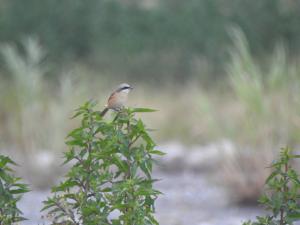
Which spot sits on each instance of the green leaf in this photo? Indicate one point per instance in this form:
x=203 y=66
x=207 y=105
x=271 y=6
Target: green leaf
x=69 y=155
x=142 y=110
x=294 y=216
x=273 y=174
x=65 y=185
x=48 y=204
x=107 y=189
x=19 y=191
x=76 y=133
x=5 y=160
x=6 y=177
x=10 y=192
x=80 y=112
x=19 y=219
x=145 y=169
x=76 y=142
x=120 y=163
x=157 y=152
x=264 y=199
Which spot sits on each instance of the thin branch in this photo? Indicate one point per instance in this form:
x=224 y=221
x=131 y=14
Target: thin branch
x=67 y=212
x=134 y=140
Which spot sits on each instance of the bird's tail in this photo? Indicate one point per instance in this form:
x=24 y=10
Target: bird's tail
x=104 y=112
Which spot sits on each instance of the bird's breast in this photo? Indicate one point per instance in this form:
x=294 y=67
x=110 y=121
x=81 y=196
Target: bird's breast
x=118 y=100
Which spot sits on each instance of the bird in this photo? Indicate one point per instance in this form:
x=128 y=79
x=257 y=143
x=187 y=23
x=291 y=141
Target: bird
x=117 y=99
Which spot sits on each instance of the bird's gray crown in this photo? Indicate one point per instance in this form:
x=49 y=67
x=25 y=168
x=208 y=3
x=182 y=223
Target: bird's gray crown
x=123 y=86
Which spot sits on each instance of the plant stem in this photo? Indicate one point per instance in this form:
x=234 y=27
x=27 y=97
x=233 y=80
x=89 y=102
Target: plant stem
x=128 y=175
x=284 y=190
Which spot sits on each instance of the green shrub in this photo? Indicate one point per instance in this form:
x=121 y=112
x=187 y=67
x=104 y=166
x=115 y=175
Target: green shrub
x=110 y=181
x=282 y=193
x=10 y=193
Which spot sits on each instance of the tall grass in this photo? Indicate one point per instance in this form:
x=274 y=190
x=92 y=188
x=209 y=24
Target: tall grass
x=268 y=94
x=27 y=91
x=246 y=77
x=36 y=112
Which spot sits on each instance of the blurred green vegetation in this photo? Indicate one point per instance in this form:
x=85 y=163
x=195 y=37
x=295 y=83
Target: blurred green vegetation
x=135 y=39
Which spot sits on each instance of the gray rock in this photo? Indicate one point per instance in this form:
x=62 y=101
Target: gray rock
x=197 y=158
x=207 y=158
x=174 y=158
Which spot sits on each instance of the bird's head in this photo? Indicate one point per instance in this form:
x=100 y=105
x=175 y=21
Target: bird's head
x=124 y=88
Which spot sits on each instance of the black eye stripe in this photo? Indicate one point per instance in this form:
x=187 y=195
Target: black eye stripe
x=123 y=88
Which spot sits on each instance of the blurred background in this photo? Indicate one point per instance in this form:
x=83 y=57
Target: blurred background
x=224 y=75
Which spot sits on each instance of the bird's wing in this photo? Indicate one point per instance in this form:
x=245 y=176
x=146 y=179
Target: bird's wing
x=111 y=100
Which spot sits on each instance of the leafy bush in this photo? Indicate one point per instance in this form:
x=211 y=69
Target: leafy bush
x=10 y=193
x=282 y=194
x=110 y=181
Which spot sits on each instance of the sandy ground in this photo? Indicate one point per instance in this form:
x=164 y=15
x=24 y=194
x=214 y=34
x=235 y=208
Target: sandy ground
x=189 y=199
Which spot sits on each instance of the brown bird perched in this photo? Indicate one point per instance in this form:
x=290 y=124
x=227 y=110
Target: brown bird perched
x=117 y=99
